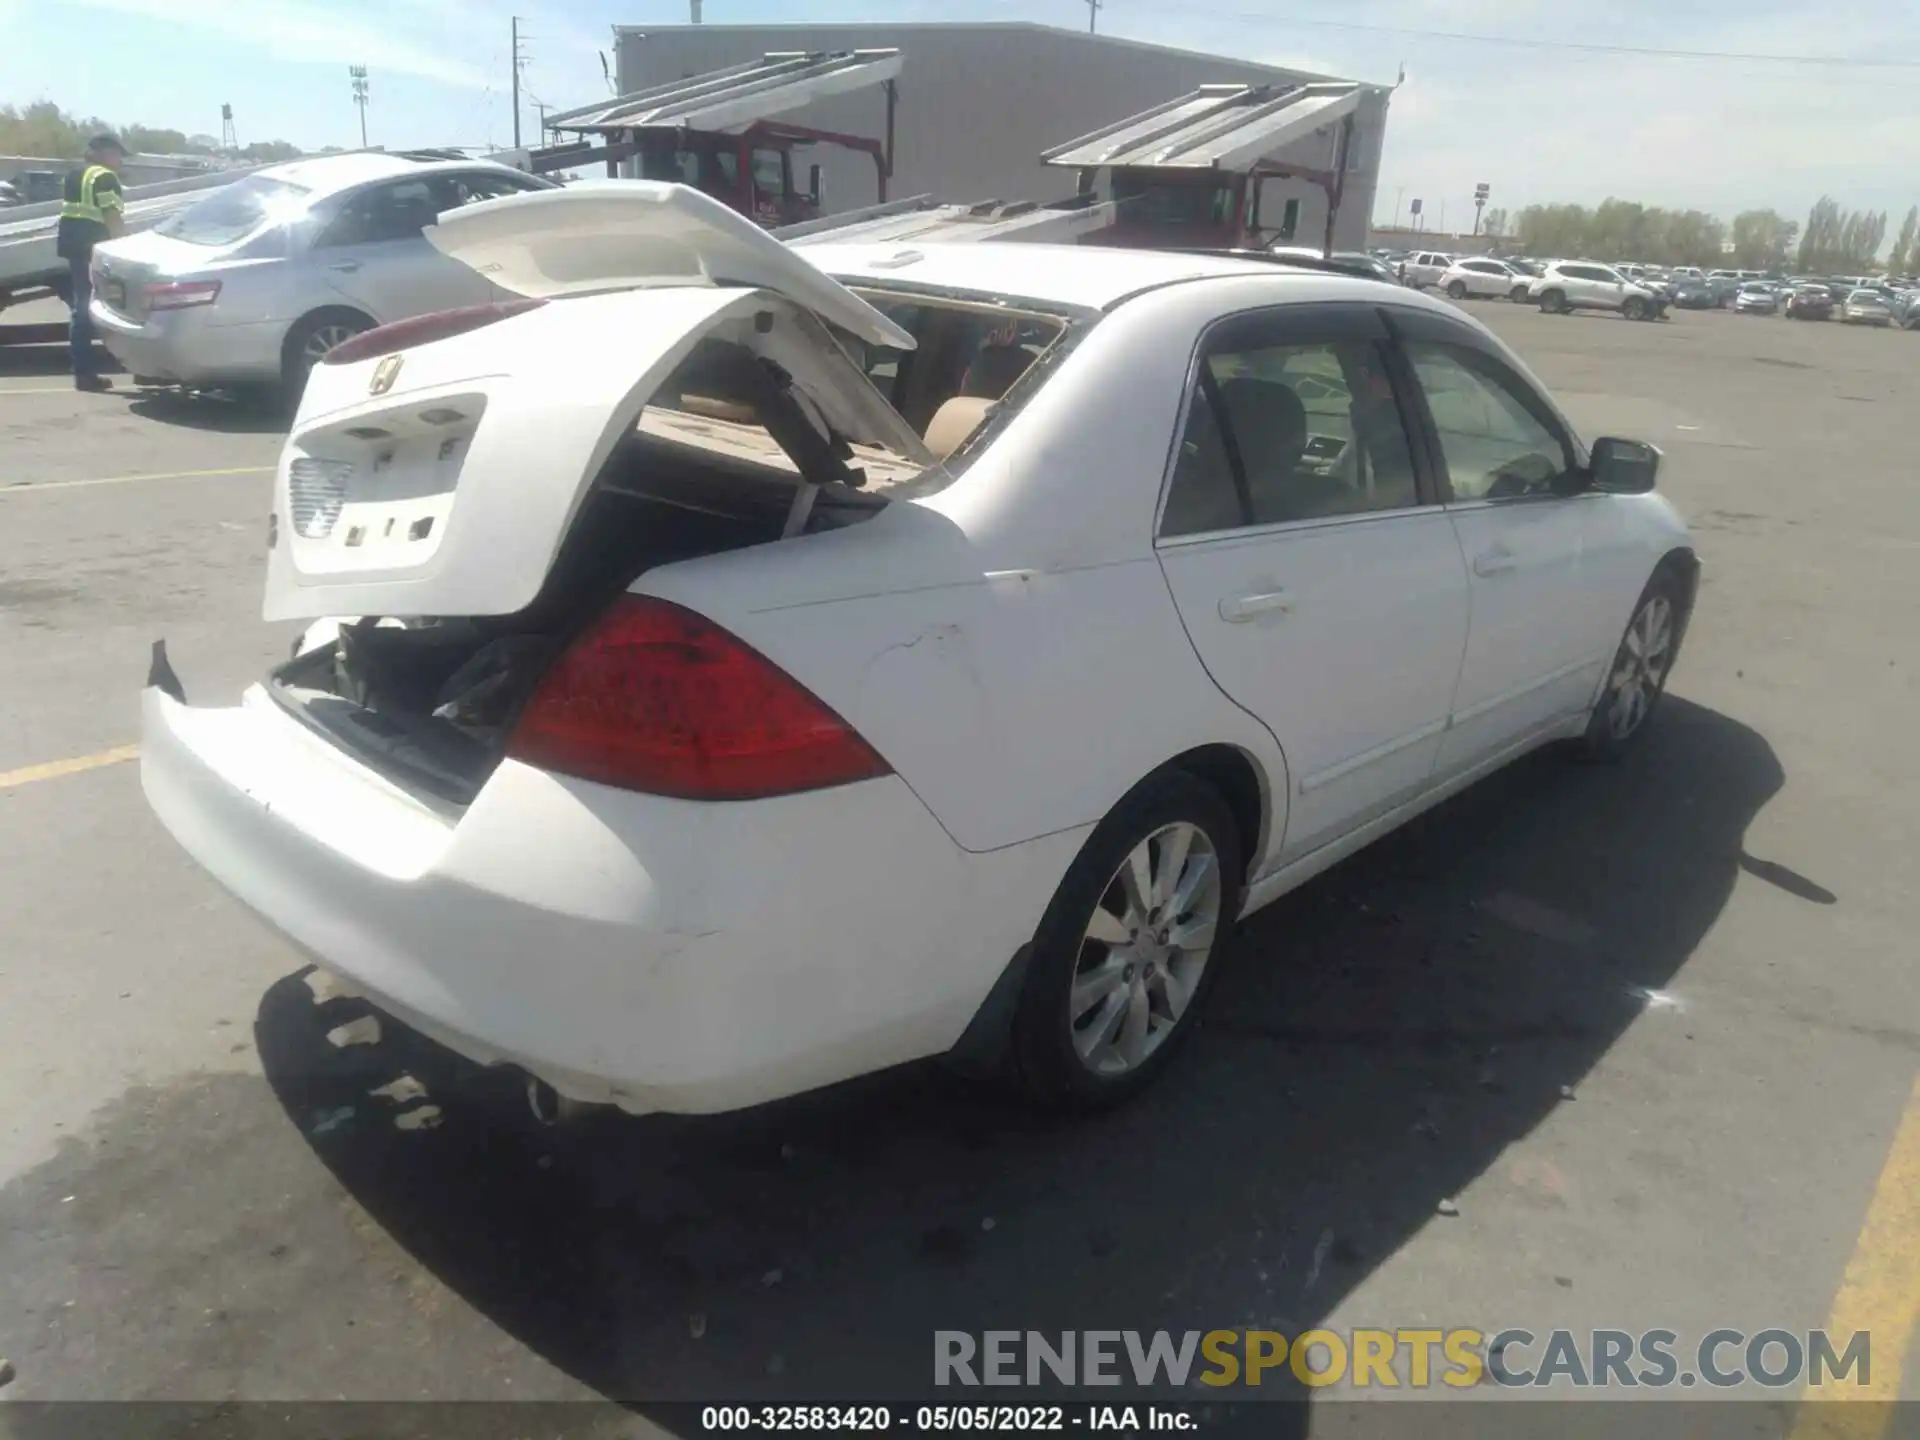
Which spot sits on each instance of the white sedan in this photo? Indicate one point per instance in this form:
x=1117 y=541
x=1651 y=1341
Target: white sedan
x=774 y=667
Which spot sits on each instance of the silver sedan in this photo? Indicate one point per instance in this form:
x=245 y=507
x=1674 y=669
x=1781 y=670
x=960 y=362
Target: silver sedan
x=250 y=286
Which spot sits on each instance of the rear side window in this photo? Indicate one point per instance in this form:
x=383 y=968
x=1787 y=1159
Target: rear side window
x=1496 y=439
x=235 y=211
x=1282 y=433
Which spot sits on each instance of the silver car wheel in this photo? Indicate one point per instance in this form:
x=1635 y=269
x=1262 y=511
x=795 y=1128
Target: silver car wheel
x=323 y=339
x=1144 y=949
x=1640 y=667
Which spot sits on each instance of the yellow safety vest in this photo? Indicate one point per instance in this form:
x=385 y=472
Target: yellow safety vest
x=88 y=206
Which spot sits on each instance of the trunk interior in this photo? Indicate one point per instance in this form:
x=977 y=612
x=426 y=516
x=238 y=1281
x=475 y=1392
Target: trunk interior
x=429 y=701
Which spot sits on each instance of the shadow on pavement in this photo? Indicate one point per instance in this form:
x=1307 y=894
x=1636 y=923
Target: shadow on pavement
x=1380 y=1039
x=230 y=415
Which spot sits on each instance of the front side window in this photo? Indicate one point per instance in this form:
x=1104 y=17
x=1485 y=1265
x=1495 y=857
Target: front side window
x=1283 y=433
x=454 y=191
x=1496 y=442
x=396 y=211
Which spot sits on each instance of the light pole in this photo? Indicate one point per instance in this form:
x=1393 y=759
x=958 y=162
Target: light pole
x=1398 y=193
x=359 y=74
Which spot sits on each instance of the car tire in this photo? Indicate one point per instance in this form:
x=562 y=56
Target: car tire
x=308 y=341
x=1554 y=302
x=1518 y=295
x=1109 y=993
x=1635 y=682
x=1634 y=308
x=1458 y=290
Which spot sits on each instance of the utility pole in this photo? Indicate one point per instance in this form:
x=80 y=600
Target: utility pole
x=693 y=11
x=1093 y=13
x=1397 y=194
x=517 y=62
x=359 y=75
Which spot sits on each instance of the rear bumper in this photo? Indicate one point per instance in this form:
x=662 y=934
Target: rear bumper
x=182 y=346
x=651 y=953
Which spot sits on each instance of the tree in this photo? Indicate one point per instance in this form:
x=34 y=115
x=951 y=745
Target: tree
x=44 y=129
x=1494 y=222
x=1903 y=257
x=1839 y=240
x=1761 y=239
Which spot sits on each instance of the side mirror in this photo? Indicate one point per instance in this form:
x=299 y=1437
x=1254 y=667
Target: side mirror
x=813 y=184
x=1623 y=467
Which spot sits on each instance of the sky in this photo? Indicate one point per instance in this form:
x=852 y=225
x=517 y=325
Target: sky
x=1494 y=90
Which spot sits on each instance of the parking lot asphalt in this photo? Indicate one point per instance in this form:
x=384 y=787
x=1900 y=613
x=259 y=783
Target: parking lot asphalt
x=1620 y=1047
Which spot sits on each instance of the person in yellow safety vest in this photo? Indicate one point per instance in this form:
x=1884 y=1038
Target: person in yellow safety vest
x=90 y=212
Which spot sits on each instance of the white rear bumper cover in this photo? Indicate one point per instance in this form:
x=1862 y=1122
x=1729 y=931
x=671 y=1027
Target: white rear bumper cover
x=654 y=953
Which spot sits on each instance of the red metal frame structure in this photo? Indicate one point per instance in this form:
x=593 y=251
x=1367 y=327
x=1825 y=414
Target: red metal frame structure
x=1186 y=173
x=680 y=130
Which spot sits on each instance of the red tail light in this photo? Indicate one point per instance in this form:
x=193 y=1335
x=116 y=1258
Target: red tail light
x=424 y=330
x=182 y=295
x=655 y=698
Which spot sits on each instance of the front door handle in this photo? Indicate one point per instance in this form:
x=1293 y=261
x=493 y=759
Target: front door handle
x=344 y=266
x=1242 y=608
x=1494 y=562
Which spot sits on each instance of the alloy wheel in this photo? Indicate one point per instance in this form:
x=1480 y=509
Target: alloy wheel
x=1640 y=667
x=323 y=339
x=1144 y=949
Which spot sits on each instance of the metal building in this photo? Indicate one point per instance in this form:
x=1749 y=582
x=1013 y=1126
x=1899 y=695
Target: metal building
x=979 y=103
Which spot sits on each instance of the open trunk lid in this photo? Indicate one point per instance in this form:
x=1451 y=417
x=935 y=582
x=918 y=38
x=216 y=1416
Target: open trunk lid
x=629 y=234
x=441 y=480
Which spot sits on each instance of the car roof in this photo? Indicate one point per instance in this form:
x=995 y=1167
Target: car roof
x=326 y=174
x=1093 y=277
x=1087 y=277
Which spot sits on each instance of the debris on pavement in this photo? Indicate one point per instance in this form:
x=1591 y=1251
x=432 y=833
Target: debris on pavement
x=1654 y=999
x=772 y=1278
x=403 y=1091
x=1447 y=1207
x=988 y=1223
x=6 y=1371
x=364 y=1031
x=1566 y=1092
x=331 y=1120
x=697 y=1324
x=1320 y=1249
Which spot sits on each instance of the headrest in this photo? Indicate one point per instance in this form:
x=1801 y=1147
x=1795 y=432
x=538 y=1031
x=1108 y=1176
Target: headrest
x=953 y=422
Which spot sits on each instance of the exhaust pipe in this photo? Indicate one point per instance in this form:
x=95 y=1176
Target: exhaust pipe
x=551 y=1108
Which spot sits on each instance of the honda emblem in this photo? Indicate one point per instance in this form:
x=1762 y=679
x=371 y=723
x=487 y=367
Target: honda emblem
x=384 y=374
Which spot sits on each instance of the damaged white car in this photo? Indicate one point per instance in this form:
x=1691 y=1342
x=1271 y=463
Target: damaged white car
x=773 y=667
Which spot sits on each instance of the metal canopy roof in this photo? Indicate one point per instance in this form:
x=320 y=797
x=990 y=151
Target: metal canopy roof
x=1227 y=127
x=734 y=98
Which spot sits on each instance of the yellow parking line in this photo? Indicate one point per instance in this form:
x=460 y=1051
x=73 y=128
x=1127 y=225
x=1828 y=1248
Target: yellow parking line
x=54 y=769
x=130 y=479
x=1880 y=1294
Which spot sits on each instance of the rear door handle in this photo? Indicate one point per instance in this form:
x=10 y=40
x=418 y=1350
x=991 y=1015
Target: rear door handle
x=345 y=266
x=1242 y=608
x=1494 y=562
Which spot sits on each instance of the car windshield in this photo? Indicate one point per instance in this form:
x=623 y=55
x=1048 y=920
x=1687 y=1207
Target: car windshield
x=235 y=211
